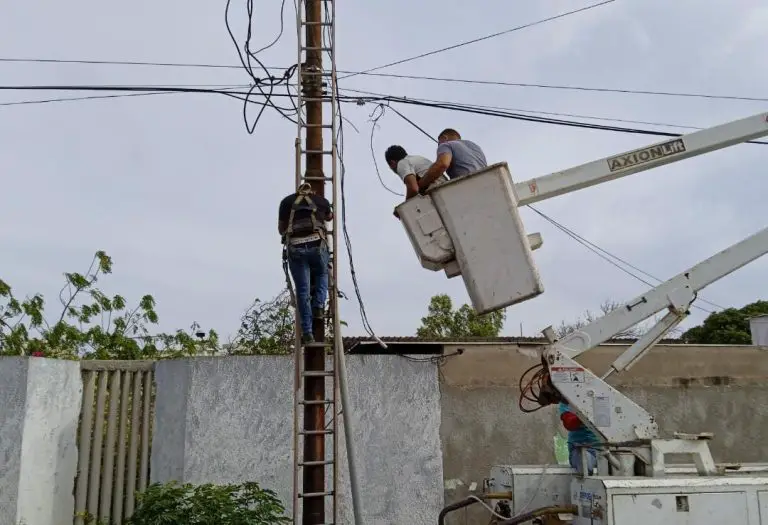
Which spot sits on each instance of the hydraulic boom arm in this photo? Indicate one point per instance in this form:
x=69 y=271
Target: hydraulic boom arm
x=604 y=409
x=635 y=161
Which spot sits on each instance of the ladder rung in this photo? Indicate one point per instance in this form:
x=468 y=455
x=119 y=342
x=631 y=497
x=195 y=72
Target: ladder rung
x=316 y=494
x=316 y=178
x=316 y=432
x=317 y=99
x=325 y=126
x=318 y=344
x=318 y=151
x=318 y=373
x=316 y=463
x=325 y=24
x=317 y=402
x=316 y=48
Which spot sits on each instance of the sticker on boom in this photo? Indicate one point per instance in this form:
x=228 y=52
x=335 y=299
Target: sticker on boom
x=641 y=156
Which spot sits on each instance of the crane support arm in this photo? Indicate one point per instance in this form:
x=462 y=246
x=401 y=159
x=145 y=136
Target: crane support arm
x=676 y=294
x=601 y=407
x=635 y=161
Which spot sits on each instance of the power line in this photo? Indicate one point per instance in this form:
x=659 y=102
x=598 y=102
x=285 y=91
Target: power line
x=345 y=99
x=534 y=111
x=374 y=98
x=100 y=97
x=148 y=90
x=566 y=87
x=466 y=104
x=611 y=258
x=378 y=98
x=403 y=76
x=475 y=40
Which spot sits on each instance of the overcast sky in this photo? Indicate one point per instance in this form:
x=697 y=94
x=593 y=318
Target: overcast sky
x=185 y=200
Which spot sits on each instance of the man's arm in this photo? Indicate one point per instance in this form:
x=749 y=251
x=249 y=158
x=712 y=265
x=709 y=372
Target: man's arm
x=411 y=186
x=443 y=162
x=282 y=217
x=407 y=172
x=327 y=209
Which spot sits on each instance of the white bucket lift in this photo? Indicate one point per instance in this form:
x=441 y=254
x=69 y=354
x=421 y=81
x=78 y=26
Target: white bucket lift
x=471 y=226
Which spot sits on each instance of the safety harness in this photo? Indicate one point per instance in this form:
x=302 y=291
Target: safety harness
x=307 y=228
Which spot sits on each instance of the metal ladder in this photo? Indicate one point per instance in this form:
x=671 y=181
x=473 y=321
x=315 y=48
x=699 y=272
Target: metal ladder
x=315 y=422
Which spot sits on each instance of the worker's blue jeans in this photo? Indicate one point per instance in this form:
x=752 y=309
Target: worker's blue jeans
x=574 y=457
x=307 y=261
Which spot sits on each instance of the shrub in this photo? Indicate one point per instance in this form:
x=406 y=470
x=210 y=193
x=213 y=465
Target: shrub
x=176 y=504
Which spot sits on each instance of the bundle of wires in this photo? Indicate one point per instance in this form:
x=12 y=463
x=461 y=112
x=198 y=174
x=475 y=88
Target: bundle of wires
x=537 y=390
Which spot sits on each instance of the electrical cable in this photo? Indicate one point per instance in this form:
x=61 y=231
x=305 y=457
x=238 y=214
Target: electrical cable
x=540 y=112
x=566 y=87
x=343 y=171
x=138 y=89
x=487 y=507
x=271 y=81
x=378 y=98
x=282 y=25
x=595 y=248
x=475 y=40
x=98 y=97
x=403 y=76
x=370 y=98
x=374 y=122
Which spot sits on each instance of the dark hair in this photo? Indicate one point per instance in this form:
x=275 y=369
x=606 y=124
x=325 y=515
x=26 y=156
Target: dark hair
x=449 y=131
x=395 y=153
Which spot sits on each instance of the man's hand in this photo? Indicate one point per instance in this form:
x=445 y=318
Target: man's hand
x=434 y=172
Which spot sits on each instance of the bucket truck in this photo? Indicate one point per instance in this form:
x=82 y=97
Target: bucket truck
x=471 y=227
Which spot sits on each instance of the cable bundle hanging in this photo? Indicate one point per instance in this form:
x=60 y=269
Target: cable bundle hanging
x=538 y=389
x=270 y=81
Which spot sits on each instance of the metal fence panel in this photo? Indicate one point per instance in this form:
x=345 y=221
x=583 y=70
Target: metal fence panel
x=114 y=439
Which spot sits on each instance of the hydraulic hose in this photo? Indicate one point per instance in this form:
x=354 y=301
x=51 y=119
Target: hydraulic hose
x=544 y=511
x=470 y=501
x=452 y=507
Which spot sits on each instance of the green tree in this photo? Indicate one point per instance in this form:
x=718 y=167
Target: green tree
x=588 y=317
x=267 y=327
x=187 y=504
x=442 y=321
x=91 y=324
x=727 y=327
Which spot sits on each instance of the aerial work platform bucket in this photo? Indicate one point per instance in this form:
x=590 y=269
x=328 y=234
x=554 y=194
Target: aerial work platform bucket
x=471 y=227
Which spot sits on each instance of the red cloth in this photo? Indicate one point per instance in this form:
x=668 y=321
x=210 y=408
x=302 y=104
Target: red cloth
x=570 y=421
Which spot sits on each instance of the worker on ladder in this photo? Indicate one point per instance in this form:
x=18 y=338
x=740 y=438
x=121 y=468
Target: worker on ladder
x=301 y=223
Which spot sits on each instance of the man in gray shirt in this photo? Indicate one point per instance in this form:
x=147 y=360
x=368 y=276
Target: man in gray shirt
x=455 y=156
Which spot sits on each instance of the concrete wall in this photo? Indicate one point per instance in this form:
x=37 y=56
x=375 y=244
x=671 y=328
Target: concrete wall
x=231 y=420
x=688 y=389
x=40 y=403
x=425 y=431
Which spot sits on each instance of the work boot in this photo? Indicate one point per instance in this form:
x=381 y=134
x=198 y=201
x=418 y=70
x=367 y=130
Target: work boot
x=307 y=339
x=318 y=313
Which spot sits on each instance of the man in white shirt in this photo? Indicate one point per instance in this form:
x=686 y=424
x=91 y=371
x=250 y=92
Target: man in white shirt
x=410 y=168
